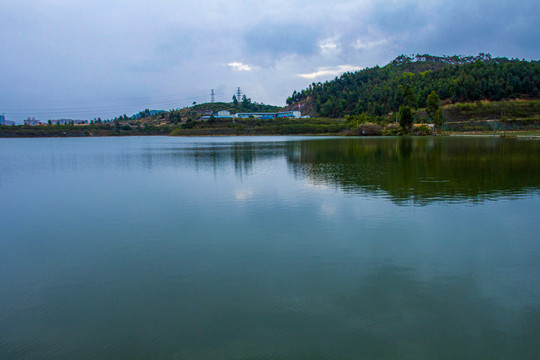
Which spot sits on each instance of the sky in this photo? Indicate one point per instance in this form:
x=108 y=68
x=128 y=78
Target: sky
x=83 y=59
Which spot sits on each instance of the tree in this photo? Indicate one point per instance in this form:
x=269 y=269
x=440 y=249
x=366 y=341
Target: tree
x=433 y=104
x=409 y=97
x=405 y=117
x=245 y=101
x=175 y=117
x=234 y=100
x=439 y=118
x=434 y=110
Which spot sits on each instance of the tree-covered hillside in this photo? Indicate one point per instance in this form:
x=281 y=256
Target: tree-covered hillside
x=409 y=81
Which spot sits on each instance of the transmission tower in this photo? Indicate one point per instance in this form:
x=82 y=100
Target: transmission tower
x=212 y=96
x=238 y=94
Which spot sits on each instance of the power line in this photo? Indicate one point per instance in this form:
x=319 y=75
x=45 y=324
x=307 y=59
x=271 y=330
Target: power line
x=112 y=107
x=105 y=107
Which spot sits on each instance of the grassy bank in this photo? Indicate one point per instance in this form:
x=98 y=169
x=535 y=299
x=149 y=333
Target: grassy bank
x=479 y=117
x=82 y=130
x=262 y=127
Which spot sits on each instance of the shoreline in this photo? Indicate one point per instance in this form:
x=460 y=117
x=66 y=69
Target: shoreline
x=512 y=134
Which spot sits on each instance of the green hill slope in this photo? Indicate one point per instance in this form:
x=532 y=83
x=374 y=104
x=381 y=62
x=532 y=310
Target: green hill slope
x=409 y=80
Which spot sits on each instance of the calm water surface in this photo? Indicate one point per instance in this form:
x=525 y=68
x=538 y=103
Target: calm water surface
x=269 y=248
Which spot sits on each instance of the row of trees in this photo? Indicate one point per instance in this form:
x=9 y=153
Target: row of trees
x=245 y=103
x=407 y=81
x=433 y=110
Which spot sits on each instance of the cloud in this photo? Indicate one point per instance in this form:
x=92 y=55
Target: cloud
x=329 y=71
x=330 y=45
x=238 y=66
x=268 y=42
x=366 y=44
x=96 y=52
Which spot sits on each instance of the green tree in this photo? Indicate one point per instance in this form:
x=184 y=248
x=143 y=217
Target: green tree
x=405 y=117
x=433 y=104
x=246 y=101
x=434 y=110
x=438 y=120
x=409 y=97
x=234 y=100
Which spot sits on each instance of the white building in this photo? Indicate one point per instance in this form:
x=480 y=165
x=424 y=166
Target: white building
x=3 y=121
x=265 y=115
x=32 y=121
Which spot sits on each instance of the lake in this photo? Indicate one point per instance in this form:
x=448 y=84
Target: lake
x=270 y=248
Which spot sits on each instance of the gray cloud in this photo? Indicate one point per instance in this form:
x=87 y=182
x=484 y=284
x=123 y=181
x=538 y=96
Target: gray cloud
x=268 y=41
x=102 y=58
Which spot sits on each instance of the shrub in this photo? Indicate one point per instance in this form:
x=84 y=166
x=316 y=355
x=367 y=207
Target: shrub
x=392 y=129
x=423 y=130
x=368 y=129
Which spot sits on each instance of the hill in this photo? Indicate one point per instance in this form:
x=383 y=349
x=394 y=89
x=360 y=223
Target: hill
x=408 y=80
x=194 y=112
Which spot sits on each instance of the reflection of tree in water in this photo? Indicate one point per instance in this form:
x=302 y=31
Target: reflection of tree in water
x=422 y=169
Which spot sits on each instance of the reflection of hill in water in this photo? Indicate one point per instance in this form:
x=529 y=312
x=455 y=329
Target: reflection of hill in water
x=217 y=156
x=422 y=169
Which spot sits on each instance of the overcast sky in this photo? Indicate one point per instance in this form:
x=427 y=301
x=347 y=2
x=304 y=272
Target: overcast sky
x=82 y=59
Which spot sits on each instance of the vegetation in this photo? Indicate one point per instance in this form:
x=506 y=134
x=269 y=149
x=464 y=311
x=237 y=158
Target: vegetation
x=405 y=117
x=433 y=109
x=116 y=129
x=408 y=81
x=454 y=93
x=278 y=126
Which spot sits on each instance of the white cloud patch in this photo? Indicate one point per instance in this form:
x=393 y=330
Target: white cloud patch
x=238 y=66
x=329 y=71
x=329 y=46
x=361 y=44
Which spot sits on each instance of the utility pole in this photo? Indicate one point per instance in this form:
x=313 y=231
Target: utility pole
x=212 y=96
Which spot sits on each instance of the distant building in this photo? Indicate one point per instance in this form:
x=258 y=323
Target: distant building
x=264 y=115
x=3 y=121
x=32 y=121
x=68 y=121
x=223 y=114
x=257 y=115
